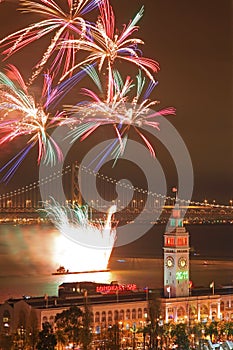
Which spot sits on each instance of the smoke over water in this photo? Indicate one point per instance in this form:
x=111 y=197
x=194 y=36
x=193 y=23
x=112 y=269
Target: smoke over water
x=27 y=249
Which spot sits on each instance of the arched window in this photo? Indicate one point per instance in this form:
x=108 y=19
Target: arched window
x=222 y=306
x=122 y=315
x=116 y=315
x=44 y=319
x=139 y=313
x=103 y=317
x=109 y=316
x=6 y=316
x=97 y=316
x=192 y=312
x=180 y=312
x=127 y=316
x=134 y=315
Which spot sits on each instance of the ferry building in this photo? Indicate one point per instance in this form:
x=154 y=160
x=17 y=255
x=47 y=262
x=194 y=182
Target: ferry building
x=126 y=305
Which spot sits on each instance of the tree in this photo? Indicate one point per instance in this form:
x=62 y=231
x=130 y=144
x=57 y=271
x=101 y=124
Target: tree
x=180 y=335
x=212 y=329
x=33 y=331
x=61 y=337
x=154 y=317
x=47 y=339
x=197 y=330
x=69 y=321
x=86 y=333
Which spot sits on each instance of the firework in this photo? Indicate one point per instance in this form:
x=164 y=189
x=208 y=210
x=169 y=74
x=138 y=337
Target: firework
x=21 y=116
x=66 y=25
x=105 y=46
x=124 y=111
x=88 y=239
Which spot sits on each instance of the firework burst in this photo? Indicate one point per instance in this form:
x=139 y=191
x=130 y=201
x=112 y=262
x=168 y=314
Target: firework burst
x=88 y=238
x=124 y=111
x=105 y=46
x=66 y=25
x=22 y=116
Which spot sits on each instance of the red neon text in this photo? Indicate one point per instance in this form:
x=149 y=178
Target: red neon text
x=115 y=288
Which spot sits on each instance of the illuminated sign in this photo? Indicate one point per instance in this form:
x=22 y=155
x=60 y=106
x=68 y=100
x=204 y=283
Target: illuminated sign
x=115 y=288
x=182 y=275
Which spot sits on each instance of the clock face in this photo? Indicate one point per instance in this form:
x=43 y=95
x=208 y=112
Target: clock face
x=182 y=262
x=169 y=261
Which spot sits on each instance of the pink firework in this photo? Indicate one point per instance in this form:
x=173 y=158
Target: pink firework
x=122 y=111
x=22 y=116
x=66 y=25
x=106 y=46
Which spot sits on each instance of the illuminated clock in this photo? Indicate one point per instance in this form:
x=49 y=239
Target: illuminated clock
x=182 y=262
x=169 y=261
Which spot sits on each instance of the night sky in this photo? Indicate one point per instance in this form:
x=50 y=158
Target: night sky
x=192 y=41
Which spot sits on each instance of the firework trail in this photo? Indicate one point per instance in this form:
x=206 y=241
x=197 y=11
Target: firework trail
x=22 y=116
x=91 y=239
x=105 y=46
x=66 y=25
x=124 y=111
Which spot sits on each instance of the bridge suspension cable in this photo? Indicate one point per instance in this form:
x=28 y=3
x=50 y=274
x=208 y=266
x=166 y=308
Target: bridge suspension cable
x=29 y=196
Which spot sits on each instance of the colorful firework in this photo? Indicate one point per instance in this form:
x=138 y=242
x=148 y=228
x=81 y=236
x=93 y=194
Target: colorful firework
x=67 y=25
x=95 y=240
x=21 y=116
x=106 y=46
x=123 y=111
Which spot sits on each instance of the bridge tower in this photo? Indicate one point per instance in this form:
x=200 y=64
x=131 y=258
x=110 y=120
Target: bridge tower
x=176 y=257
x=76 y=196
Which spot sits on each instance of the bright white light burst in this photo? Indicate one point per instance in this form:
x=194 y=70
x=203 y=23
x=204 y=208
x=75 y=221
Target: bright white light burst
x=82 y=245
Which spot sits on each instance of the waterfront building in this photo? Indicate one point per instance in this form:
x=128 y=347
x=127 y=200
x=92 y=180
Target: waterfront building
x=129 y=308
x=126 y=306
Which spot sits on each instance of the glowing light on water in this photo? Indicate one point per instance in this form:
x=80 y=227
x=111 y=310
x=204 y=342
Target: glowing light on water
x=82 y=245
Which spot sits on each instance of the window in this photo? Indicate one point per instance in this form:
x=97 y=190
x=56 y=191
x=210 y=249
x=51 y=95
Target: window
x=97 y=316
x=103 y=317
x=122 y=314
x=139 y=313
x=116 y=315
x=109 y=316
x=128 y=314
x=134 y=314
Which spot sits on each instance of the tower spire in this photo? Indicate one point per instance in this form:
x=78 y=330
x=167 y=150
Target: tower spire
x=176 y=256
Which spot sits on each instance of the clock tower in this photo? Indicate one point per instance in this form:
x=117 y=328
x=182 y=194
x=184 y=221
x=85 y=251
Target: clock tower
x=176 y=257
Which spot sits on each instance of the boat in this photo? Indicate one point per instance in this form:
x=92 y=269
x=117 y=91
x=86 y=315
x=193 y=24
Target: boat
x=62 y=271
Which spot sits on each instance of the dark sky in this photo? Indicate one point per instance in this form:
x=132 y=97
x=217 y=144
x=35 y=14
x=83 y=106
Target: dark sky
x=192 y=41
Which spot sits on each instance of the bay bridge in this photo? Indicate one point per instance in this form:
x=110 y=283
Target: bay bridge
x=25 y=203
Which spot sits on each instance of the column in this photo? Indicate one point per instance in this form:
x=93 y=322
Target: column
x=218 y=310
x=198 y=312
x=210 y=312
x=166 y=314
x=175 y=313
